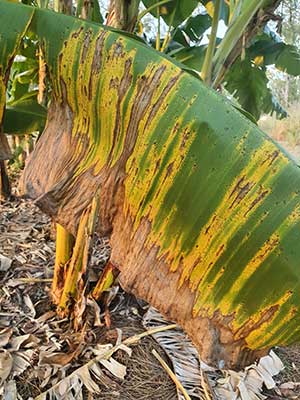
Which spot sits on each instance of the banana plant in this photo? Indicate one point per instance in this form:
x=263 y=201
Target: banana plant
x=23 y=113
x=13 y=40
x=202 y=207
x=245 y=46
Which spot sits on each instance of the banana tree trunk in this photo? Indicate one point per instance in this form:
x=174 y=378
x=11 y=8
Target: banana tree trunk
x=5 y=154
x=122 y=14
x=5 y=187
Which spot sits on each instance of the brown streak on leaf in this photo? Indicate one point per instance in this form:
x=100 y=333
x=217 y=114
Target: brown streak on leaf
x=250 y=325
x=271 y=158
x=240 y=191
x=158 y=104
x=262 y=194
x=76 y=34
x=123 y=87
x=144 y=273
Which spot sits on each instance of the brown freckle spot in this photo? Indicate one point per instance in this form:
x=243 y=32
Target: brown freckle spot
x=185 y=137
x=122 y=87
x=114 y=83
x=176 y=127
x=240 y=190
x=140 y=105
x=262 y=194
x=162 y=97
x=209 y=226
x=86 y=44
x=195 y=263
x=270 y=245
x=97 y=59
x=169 y=169
x=118 y=50
x=157 y=164
x=75 y=35
x=220 y=250
x=207 y=230
x=271 y=157
x=250 y=325
x=294 y=311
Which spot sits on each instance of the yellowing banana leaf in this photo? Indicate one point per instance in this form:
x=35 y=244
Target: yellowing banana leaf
x=202 y=207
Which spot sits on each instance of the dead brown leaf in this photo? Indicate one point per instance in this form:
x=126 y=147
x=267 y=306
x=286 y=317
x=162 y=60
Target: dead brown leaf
x=6 y=363
x=5 y=335
x=5 y=263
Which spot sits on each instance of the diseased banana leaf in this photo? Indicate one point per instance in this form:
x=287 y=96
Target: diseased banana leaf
x=202 y=207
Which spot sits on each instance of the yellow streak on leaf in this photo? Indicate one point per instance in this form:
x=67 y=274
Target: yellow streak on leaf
x=252 y=266
x=258 y=337
x=205 y=299
x=231 y=213
x=136 y=191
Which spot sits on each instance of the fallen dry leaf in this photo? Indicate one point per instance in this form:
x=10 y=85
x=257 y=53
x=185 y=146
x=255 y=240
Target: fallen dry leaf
x=29 y=304
x=5 y=263
x=61 y=359
x=21 y=361
x=116 y=368
x=10 y=390
x=25 y=341
x=5 y=335
x=289 y=390
x=6 y=363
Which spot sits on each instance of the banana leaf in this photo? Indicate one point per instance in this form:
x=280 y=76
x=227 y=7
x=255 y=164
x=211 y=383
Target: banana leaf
x=202 y=207
x=173 y=12
x=24 y=116
x=7 y=51
x=8 y=47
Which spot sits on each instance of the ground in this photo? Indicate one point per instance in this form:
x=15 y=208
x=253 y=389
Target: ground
x=25 y=307
x=40 y=349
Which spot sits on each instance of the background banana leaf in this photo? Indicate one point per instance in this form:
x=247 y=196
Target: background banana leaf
x=24 y=116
